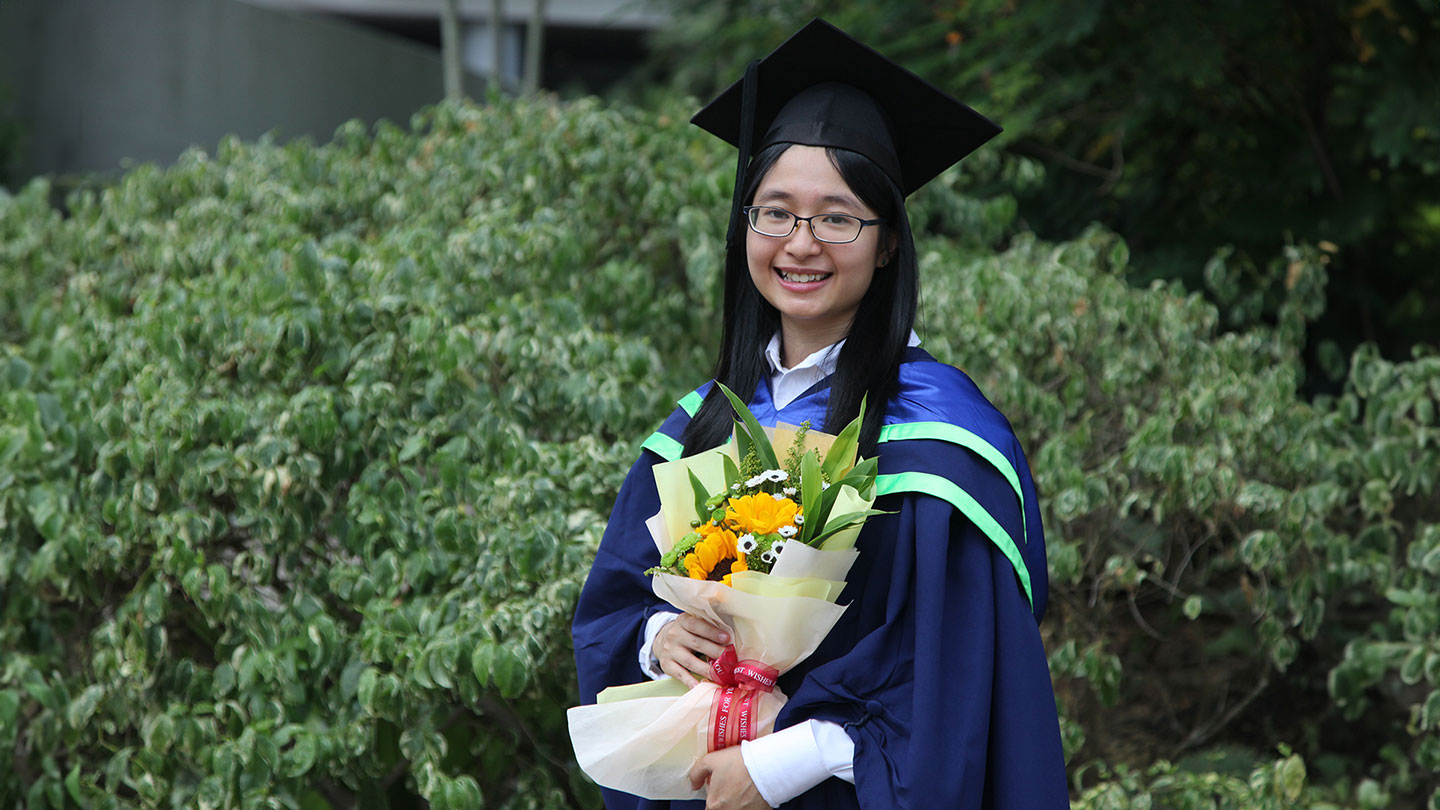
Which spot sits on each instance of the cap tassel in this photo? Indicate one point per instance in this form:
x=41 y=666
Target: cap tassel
x=747 y=137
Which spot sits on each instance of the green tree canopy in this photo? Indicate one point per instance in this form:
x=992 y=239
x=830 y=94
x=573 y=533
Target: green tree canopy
x=1184 y=126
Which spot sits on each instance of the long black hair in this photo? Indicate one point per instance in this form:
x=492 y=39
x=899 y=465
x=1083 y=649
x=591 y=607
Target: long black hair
x=869 y=362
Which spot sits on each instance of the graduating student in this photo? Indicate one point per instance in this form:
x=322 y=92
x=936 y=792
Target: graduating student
x=933 y=689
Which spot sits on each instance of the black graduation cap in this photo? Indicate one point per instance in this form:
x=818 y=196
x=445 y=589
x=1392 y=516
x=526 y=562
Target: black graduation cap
x=822 y=87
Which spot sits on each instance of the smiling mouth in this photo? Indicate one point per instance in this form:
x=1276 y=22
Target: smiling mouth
x=802 y=278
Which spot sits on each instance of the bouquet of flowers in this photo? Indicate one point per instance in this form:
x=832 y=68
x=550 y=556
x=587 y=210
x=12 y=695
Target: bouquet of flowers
x=758 y=546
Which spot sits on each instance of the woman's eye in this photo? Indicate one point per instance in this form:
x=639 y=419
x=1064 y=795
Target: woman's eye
x=776 y=214
x=838 y=220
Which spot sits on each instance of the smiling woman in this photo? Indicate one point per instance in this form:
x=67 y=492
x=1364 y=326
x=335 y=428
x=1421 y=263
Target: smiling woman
x=815 y=285
x=932 y=689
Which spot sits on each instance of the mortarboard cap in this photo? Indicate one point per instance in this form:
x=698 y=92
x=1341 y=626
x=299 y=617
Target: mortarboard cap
x=822 y=87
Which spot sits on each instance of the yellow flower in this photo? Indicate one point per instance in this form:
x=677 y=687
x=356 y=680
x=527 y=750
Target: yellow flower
x=713 y=555
x=761 y=513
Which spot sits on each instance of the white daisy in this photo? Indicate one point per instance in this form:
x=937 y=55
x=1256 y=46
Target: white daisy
x=746 y=543
x=756 y=481
x=824 y=485
x=789 y=490
x=776 y=475
x=777 y=496
x=768 y=557
x=777 y=547
x=799 y=520
x=787 y=531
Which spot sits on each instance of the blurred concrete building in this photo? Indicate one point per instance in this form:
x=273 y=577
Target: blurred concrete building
x=92 y=84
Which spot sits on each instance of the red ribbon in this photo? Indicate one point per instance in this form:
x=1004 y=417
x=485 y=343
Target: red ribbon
x=732 y=715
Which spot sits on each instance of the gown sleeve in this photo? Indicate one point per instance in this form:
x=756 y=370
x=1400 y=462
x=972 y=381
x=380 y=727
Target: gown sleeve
x=616 y=602
x=941 y=680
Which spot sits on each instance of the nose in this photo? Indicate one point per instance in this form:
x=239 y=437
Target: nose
x=802 y=241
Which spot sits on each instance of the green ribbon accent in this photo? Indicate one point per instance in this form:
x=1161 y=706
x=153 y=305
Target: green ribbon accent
x=691 y=402
x=663 y=446
x=954 y=434
x=946 y=490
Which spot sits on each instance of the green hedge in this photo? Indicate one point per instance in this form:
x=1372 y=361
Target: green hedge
x=304 y=452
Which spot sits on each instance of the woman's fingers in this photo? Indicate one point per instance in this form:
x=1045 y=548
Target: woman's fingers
x=674 y=670
x=700 y=774
x=684 y=649
x=684 y=646
x=704 y=637
x=727 y=781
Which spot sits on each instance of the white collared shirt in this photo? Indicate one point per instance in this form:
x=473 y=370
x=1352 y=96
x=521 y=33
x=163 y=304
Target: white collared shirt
x=787 y=384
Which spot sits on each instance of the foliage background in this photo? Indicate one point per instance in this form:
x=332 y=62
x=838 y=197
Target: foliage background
x=1183 y=126
x=304 y=452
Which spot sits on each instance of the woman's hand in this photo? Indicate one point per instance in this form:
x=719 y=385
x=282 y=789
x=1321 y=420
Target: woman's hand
x=728 y=781
x=679 y=645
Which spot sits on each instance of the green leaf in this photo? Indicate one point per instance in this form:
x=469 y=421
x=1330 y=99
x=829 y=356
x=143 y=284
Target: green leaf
x=732 y=472
x=509 y=672
x=482 y=662
x=224 y=679
x=701 y=496
x=366 y=687
x=758 y=440
x=9 y=710
x=420 y=674
x=1193 y=606
x=840 y=522
x=17 y=372
x=1408 y=598
x=159 y=732
x=465 y=794
x=1430 y=711
x=860 y=477
x=1290 y=778
x=841 y=455
x=350 y=678
x=78 y=713
x=313 y=800
x=72 y=786
x=412 y=447
x=1413 y=670
x=811 y=492
x=301 y=757
x=742 y=440
x=441 y=664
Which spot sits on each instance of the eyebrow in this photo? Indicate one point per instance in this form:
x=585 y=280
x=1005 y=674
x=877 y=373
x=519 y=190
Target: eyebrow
x=828 y=199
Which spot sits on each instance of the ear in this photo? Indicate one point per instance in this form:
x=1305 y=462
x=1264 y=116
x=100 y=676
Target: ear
x=888 y=251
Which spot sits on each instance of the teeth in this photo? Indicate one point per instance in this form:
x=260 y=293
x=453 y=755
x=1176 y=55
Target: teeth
x=802 y=277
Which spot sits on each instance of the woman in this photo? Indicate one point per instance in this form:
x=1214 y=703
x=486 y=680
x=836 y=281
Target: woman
x=933 y=690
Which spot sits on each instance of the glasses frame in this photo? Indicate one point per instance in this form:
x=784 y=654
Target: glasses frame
x=799 y=219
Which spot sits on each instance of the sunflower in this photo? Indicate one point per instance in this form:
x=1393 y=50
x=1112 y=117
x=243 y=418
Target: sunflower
x=761 y=514
x=713 y=555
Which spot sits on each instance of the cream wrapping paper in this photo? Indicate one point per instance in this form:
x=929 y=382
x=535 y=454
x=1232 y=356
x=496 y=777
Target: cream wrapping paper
x=644 y=738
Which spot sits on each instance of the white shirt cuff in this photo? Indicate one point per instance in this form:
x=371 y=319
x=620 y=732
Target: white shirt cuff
x=792 y=760
x=648 y=663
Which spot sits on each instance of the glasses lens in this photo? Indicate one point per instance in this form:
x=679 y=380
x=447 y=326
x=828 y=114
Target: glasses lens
x=771 y=221
x=836 y=227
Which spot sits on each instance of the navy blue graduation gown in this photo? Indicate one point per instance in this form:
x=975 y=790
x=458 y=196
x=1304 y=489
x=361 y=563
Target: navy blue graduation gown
x=936 y=669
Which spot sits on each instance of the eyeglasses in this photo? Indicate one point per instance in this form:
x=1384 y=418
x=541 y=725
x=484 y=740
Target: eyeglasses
x=837 y=229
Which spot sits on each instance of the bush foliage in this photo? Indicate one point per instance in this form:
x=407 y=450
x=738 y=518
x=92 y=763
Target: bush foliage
x=305 y=450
